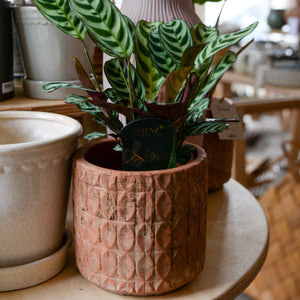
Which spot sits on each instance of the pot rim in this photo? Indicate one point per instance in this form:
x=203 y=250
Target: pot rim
x=80 y=153
x=74 y=125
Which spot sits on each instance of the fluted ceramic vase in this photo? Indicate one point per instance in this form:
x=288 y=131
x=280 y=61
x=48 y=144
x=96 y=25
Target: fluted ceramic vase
x=160 y=10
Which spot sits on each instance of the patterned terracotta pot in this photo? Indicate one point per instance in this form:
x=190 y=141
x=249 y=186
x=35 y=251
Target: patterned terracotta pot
x=138 y=233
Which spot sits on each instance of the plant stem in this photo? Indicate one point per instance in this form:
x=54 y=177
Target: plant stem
x=91 y=66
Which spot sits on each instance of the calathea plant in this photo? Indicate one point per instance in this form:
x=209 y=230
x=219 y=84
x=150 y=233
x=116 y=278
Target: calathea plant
x=171 y=83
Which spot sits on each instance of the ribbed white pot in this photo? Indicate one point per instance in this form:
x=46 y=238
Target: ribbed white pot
x=47 y=53
x=35 y=161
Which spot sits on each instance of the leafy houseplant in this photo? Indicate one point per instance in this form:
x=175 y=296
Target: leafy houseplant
x=172 y=81
x=142 y=232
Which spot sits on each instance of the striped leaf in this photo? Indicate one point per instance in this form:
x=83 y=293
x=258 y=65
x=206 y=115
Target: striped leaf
x=107 y=27
x=206 y=126
x=94 y=135
x=58 y=12
x=196 y=111
x=176 y=38
x=151 y=78
x=52 y=86
x=222 y=42
x=113 y=73
x=203 y=34
x=228 y=59
x=160 y=58
x=89 y=106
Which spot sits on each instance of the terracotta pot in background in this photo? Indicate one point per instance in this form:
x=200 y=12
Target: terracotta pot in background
x=220 y=157
x=138 y=233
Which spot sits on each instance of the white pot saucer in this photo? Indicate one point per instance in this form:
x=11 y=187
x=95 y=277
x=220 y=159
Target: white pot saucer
x=23 y=276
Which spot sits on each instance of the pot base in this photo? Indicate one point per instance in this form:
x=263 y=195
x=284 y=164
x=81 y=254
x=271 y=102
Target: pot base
x=23 y=276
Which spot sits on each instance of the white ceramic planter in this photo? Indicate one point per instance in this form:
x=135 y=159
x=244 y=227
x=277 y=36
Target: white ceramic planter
x=47 y=53
x=35 y=158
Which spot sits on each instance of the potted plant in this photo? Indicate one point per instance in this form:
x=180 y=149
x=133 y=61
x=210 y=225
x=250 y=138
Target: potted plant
x=35 y=162
x=141 y=230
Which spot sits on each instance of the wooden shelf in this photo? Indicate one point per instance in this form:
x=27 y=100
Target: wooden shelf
x=21 y=102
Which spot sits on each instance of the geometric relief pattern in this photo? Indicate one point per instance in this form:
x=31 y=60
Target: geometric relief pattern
x=140 y=233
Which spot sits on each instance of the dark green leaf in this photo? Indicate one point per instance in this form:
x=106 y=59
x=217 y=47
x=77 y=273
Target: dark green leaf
x=107 y=27
x=160 y=58
x=58 y=12
x=175 y=37
x=94 y=135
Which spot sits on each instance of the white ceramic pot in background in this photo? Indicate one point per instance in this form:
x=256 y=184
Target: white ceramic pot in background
x=47 y=53
x=35 y=161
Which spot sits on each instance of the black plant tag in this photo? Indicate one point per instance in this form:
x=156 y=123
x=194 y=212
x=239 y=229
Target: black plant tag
x=149 y=144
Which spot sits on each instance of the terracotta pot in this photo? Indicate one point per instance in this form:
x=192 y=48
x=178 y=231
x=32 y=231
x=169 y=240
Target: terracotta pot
x=220 y=157
x=138 y=233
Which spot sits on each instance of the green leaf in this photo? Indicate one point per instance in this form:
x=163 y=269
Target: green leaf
x=94 y=135
x=222 y=42
x=196 y=110
x=58 y=12
x=176 y=38
x=114 y=69
x=228 y=59
x=160 y=58
x=203 y=34
x=87 y=105
x=151 y=78
x=205 y=126
x=52 y=86
x=83 y=104
x=107 y=27
x=118 y=148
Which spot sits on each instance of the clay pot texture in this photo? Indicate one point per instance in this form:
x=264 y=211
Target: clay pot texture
x=142 y=232
x=35 y=170
x=220 y=157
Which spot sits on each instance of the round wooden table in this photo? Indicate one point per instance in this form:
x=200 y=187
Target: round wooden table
x=237 y=245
